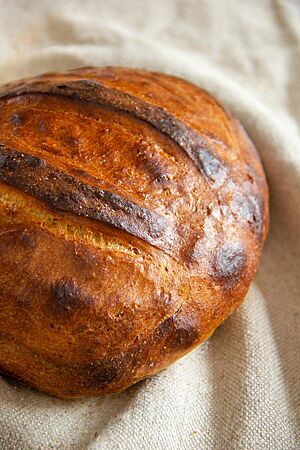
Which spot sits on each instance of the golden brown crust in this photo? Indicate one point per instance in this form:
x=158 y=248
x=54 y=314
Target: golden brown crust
x=133 y=210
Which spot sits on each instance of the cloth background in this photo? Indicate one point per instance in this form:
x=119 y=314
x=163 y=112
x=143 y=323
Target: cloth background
x=240 y=389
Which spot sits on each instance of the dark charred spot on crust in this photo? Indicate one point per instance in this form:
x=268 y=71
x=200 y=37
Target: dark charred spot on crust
x=67 y=298
x=16 y=119
x=28 y=239
x=177 y=333
x=229 y=263
x=107 y=374
x=249 y=210
x=186 y=332
x=102 y=373
x=211 y=167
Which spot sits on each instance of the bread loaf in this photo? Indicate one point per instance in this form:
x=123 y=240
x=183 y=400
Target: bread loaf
x=133 y=210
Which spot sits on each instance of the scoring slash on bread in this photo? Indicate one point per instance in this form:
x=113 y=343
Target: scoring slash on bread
x=133 y=211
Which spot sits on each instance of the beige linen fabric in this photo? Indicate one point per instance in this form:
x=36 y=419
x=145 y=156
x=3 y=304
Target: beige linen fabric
x=240 y=389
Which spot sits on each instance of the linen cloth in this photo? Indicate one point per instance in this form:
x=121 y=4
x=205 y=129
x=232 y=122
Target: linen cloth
x=240 y=389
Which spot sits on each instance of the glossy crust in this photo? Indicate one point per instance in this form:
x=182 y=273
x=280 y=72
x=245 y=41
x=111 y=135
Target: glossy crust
x=133 y=210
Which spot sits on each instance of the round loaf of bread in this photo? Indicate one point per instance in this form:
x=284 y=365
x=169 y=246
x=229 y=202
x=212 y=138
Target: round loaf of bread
x=133 y=210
